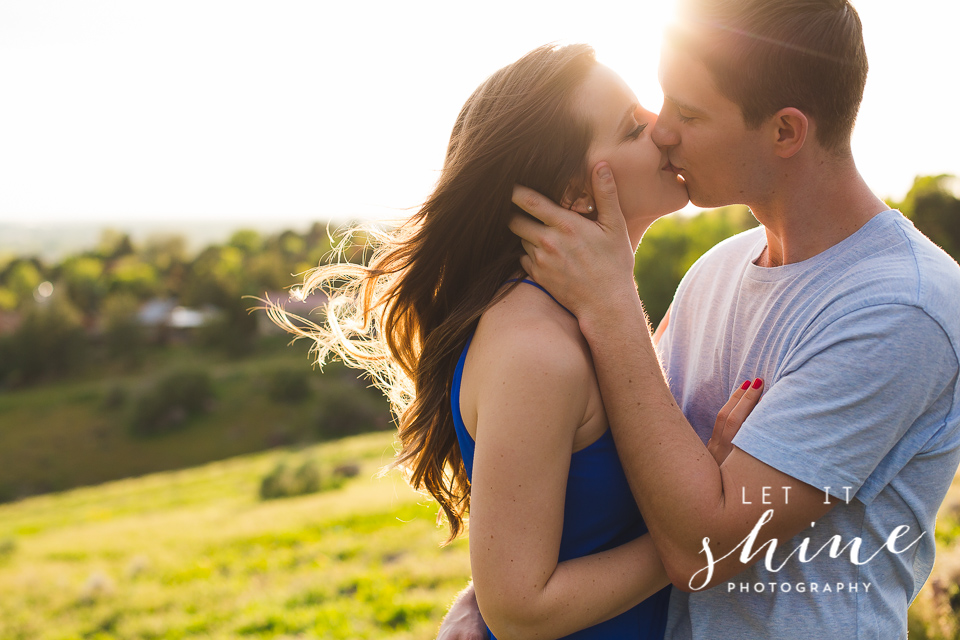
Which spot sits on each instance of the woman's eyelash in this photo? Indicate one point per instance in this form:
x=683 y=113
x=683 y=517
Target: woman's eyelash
x=683 y=118
x=636 y=132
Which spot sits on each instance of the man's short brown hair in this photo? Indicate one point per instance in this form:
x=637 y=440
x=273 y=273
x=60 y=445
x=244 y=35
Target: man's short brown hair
x=766 y=55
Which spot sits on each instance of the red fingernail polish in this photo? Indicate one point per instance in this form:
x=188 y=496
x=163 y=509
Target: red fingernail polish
x=757 y=383
x=746 y=385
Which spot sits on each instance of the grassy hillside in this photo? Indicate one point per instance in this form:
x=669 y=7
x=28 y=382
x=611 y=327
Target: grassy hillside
x=77 y=432
x=196 y=554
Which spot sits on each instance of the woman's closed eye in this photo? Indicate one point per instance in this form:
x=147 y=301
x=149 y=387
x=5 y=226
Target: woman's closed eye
x=635 y=133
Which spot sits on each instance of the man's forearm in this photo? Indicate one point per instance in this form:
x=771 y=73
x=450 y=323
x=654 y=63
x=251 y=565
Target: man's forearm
x=674 y=479
x=463 y=621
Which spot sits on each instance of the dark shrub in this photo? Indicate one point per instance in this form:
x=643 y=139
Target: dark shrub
x=115 y=397
x=277 y=484
x=347 y=470
x=349 y=410
x=233 y=332
x=290 y=384
x=177 y=397
x=307 y=477
x=283 y=482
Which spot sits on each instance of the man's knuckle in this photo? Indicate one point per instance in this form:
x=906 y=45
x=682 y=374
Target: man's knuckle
x=548 y=245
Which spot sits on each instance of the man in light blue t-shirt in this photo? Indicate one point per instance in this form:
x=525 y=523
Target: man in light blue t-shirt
x=820 y=522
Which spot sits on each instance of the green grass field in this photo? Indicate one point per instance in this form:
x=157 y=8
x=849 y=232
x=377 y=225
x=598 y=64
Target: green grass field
x=196 y=554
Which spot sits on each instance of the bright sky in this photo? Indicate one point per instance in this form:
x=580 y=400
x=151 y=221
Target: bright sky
x=121 y=110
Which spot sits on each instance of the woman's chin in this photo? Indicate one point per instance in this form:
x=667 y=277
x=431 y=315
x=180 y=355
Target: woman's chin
x=675 y=205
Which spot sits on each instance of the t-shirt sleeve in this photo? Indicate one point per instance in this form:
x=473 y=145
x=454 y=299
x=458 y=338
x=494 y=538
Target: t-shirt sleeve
x=847 y=396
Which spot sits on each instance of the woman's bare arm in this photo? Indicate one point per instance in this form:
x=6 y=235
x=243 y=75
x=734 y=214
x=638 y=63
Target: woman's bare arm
x=464 y=621
x=530 y=400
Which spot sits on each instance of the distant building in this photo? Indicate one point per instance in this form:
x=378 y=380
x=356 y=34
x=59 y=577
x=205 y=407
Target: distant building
x=168 y=319
x=156 y=312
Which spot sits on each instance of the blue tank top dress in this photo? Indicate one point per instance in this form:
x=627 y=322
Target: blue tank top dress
x=599 y=514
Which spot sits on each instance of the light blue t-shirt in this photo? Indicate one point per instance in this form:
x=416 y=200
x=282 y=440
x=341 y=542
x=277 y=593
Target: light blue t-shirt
x=858 y=347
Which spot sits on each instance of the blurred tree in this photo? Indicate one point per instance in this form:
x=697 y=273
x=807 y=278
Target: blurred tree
x=164 y=251
x=673 y=244
x=215 y=277
x=933 y=206
x=114 y=244
x=22 y=278
x=270 y=271
x=132 y=275
x=8 y=299
x=247 y=240
x=234 y=331
x=289 y=243
x=49 y=343
x=124 y=337
x=83 y=277
x=219 y=277
x=167 y=253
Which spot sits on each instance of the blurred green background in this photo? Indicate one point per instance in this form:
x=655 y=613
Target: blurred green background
x=171 y=468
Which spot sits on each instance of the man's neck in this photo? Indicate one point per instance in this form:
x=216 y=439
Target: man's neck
x=814 y=213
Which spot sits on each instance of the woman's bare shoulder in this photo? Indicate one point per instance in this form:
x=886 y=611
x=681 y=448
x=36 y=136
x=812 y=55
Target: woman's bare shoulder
x=528 y=352
x=531 y=330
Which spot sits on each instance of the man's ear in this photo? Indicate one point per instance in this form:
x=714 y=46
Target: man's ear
x=580 y=201
x=790 y=129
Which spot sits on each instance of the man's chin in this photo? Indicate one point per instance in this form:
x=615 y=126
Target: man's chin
x=706 y=200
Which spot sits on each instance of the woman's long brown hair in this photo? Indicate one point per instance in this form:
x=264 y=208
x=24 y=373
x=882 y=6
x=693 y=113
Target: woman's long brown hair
x=406 y=315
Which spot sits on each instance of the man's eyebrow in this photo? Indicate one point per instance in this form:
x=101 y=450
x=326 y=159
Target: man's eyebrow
x=683 y=105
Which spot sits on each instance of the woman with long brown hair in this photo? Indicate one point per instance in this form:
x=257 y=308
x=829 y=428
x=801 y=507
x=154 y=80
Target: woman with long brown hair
x=492 y=383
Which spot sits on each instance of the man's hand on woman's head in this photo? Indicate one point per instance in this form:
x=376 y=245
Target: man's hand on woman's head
x=583 y=263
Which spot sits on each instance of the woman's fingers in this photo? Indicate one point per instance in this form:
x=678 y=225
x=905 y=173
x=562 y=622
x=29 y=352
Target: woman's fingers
x=726 y=410
x=744 y=406
x=732 y=416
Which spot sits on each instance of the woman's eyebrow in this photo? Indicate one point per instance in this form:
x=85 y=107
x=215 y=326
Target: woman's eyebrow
x=629 y=114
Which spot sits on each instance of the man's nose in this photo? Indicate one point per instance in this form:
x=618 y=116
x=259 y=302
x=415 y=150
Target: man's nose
x=663 y=134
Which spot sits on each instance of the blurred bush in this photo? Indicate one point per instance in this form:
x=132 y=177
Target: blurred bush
x=288 y=384
x=347 y=410
x=171 y=402
x=114 y=397
x=283 y=482
x=233 y=332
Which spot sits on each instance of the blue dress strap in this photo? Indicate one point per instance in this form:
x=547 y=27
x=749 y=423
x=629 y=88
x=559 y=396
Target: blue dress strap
x=541 y=289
